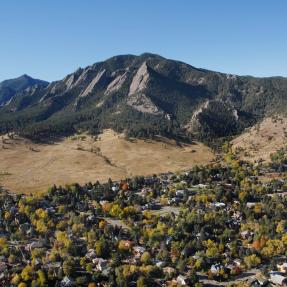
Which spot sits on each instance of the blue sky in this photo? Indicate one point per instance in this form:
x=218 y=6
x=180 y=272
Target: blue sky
x=49 y=38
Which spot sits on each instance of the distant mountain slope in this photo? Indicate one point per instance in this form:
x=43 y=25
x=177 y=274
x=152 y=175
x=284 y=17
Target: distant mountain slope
x=263 y=139
x=145 y=95
x=9 y=88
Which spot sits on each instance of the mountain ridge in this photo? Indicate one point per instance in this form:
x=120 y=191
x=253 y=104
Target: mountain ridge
x=9 y=88
x=144 y=96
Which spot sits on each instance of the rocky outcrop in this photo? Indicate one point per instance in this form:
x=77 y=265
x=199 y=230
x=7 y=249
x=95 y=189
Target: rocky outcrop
x=69 y=82
x=92 y=84
x=194 y=124
x=137 y=97
x=144 y=104
x=116 y=84
x=140 y=80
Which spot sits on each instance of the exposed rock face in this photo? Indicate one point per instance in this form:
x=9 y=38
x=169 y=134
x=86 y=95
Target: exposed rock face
x=116 y=84
x=77 y=78
x=143 y=104
x=136 y=97
x=193 y=124
x=235 y=113
x=52 y=87
x=69 y=82
x=83 y=75
x=92 y=84
x=140 y=80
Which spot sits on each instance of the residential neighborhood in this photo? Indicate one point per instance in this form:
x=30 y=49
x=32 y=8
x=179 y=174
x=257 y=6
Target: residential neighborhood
x=218 y=225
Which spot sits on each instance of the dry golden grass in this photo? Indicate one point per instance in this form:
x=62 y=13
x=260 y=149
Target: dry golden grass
x=263 y=139
x=27 y=167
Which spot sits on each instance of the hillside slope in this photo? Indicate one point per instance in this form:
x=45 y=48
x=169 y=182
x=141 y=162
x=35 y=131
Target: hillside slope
x=9 y=88
x=144 y=96
x=262 y=139
x=29 y=167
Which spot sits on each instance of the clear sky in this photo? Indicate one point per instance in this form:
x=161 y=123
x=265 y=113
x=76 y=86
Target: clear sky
x=48 y=39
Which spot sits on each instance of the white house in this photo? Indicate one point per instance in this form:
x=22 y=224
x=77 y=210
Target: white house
x=181 y=280
x=278 y=279
x=282 y=267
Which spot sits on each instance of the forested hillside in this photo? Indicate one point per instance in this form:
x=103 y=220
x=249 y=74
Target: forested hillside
x=144 y=96
x=9 y=88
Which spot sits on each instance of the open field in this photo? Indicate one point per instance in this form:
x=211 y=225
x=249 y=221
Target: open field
x=263 y=139
x=28 y=167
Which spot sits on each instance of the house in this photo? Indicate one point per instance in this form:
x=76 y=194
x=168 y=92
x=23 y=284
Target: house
x=278 y=279
x=168 y=240
x=180 y=193
x=173 y=200
x=51 y=210
x=237 y=262
x=144 y=192
x=215 y=268
x=159 y=263
x=107 y=271
x=138 y=251
x=217 y=204
x=91 y=254
x=258 y=280
x=246 y=234
x=24 y=227
x=102 y=264
x=95 y=260
x=103 y=202
x=282 y=267
x=151 y=205
x=170 y=271
x=237 y=215
x=254 y=282
x=34 y=244
x=67 y=282
x=261 y=279
x=250 y=204
x=227 y=186
x=181 y=280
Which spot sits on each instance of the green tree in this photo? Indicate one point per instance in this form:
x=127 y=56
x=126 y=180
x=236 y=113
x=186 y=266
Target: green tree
x=145 y=258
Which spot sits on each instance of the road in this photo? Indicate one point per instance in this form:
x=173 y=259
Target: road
x=240 y=278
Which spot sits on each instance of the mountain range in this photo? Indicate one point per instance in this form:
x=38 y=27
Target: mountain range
x=9 y=88
x=142 y=96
